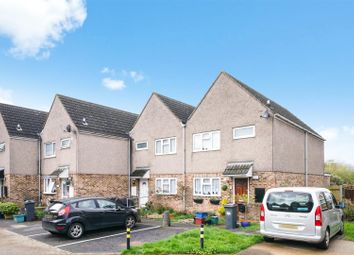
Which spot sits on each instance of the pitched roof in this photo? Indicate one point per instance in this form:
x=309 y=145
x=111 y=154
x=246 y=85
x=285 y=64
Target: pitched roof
x=276 y=108
x=179 y=109
x=30 y=121
x=99 y=119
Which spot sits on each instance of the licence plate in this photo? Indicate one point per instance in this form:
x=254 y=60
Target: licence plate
x=49 y=216
x=288 y=226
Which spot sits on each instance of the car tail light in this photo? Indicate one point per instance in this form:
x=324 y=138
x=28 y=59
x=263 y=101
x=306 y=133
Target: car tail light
x=262 y=214
x=65 y=211
x=318 y=217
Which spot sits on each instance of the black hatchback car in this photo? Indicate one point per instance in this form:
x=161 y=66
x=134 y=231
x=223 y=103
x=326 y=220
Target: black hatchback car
x=75 y=216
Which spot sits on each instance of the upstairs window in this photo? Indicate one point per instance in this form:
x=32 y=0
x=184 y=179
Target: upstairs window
x=206 y=141
x=49 y=150
x=2 y=147
x=141 y=146
x=165 y=146
x=166 y=186
x=244 y=132
x=65 y=143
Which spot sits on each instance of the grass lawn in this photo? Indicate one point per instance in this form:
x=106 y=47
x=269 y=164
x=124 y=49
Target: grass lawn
x=216 y=240
x=349 y=230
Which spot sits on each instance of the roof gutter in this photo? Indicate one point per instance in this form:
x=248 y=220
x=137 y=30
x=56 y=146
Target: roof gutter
x=282 y=118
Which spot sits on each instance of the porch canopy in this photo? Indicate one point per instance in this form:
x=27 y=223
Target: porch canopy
x=61 y=172
x=239 y=169
x=140 y=173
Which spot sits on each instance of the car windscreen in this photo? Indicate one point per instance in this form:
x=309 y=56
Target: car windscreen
x=56 y=207
x=288 y=201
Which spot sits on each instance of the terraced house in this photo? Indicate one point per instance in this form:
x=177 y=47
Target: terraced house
x=235 y=144
x=85 y=150
x=19 y=152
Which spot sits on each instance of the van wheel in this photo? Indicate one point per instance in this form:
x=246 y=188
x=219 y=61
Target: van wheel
x=76 y=230
x=341 y=231
x=268 y=239
x=325 y=242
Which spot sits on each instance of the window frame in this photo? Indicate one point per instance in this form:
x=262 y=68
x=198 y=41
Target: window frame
x=169 y=184
x=169 y=145
x=61 y=143
x=210 y=133
x=46 y=187
x=202 y=183
x=244 y=136
x=3 y=145
x=53 y=150
x=142 y=149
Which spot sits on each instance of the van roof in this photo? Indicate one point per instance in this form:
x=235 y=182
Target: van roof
x=304 y=189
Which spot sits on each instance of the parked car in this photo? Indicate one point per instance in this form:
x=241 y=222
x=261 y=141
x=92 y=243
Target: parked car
x=303 y=214
x=75 y=216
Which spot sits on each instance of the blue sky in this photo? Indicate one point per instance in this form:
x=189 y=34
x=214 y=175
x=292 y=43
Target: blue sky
x=298 y=53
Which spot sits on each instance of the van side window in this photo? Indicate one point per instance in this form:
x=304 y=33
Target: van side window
x=329 y=201
x=323 y=202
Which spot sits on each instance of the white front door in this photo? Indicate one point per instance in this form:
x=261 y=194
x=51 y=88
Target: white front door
x=143 y=192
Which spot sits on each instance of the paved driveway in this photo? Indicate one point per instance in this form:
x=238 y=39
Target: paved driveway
x=337 y=247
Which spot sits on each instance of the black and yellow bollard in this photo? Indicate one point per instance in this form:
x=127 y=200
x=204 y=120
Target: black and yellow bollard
x=202 y=236
x=128 y=238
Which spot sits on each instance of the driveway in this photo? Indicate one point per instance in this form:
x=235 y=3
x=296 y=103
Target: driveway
x=26 y=235
x=337 y=247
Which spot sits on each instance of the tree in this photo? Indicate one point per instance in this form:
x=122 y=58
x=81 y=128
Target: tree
x=340 y=173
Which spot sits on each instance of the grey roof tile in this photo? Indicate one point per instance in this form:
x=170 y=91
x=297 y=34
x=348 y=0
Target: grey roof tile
x=31 y=121
x=275 y=107
x=179 y=109
x=100 y=119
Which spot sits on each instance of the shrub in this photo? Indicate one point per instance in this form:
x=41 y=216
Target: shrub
x=348 y=211
x=39 y=214
x=8 y=208
x=221 y=209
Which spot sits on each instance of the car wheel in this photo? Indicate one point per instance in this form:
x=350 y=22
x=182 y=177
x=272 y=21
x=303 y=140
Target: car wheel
x=76 y=230
x=268 y=239
x=130 y=221
x=325 y=242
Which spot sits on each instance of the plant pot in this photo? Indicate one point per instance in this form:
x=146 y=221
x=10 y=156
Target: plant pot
x=198 y=200
x=245 y=224
x=215 y=201
x=214 y=220
x=8 y=216
x=19 y=218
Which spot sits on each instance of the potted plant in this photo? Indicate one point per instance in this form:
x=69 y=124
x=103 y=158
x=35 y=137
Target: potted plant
x=224 y=187
x=8 y=209
x=243 y=200
x=214 y=201
x=198 y=200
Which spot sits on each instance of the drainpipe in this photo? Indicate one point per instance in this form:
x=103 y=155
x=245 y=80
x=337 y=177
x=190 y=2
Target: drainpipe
x=184 y=166
x=39 y=169
x=306 y=159
x=129 y=165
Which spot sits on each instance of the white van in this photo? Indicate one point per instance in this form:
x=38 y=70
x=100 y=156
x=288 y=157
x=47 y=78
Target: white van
x=302 y=214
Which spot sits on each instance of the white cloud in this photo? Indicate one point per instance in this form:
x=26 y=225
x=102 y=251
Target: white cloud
x=340 y=144
x=107 y=70
x=330 y=133
x=136 y=76
x=6 y=96
x=36 y=26
x=113 y=84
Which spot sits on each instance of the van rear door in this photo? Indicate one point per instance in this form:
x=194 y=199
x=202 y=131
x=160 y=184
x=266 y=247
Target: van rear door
x=290 y=212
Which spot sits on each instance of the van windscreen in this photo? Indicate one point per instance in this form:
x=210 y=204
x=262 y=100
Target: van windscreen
x=288 y=201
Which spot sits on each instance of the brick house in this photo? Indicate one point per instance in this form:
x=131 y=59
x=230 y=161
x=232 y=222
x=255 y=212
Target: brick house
x=235 y=144
x=85 y=150
x=19 y=152
x=158 y=138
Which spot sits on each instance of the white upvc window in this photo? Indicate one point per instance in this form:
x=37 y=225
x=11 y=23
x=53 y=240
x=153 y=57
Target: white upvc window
x=141 y=146
x=206 y=141
x=2 y=147
x=65 y=143
x=165 y=146
x=49 y=185
x=166 y=186
x=244 y=132
x=206 y=186
x=49 y=150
